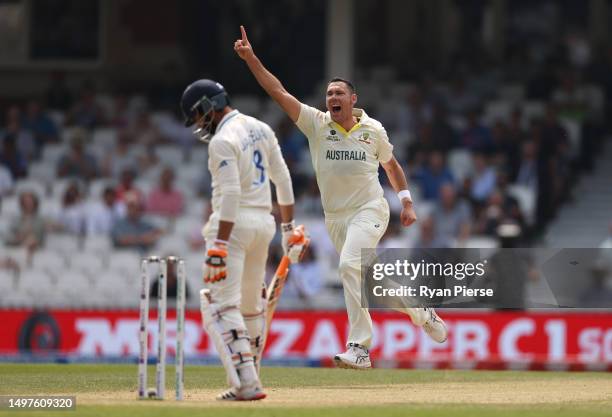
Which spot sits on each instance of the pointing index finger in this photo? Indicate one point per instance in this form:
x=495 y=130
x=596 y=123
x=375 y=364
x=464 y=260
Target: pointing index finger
x=244 y=35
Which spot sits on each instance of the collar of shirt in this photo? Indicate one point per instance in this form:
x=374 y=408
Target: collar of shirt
x=225 y=118
x=360 y=114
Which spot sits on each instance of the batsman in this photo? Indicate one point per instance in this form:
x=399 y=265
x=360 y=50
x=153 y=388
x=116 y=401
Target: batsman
x=347 y=147
x=243 y=157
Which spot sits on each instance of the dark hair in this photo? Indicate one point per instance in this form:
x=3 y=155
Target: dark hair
x=108 y=189
x=71 y=194
x=342 y=80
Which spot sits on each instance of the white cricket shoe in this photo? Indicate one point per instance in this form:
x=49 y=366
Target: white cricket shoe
x=248 y=393
x=355 y=357
x=435 y=326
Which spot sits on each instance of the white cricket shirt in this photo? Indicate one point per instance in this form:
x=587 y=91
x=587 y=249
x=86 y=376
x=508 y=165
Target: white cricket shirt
x=345 y=163
x=244 y=156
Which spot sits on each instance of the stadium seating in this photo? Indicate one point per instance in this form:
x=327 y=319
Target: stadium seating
x=114 y=272
x=460 y=163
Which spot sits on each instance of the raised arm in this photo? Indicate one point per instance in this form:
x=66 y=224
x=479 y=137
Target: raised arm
x=266 y=79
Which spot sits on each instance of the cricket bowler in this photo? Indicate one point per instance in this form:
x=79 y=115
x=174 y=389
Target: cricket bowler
x=346 y=147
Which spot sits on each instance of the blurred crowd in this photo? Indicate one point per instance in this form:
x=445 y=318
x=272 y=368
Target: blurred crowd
x=476 y=147
x=66 y=121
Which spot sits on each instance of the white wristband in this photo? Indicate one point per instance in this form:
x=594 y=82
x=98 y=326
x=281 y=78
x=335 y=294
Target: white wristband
x=287 y=227
x=220 y=242
x=404 y=194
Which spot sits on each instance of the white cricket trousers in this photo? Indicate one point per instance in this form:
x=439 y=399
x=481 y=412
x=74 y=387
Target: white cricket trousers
x=350 y=232
x=246 y=264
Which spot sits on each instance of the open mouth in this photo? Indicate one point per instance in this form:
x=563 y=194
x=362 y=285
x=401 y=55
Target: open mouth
x=336 y=109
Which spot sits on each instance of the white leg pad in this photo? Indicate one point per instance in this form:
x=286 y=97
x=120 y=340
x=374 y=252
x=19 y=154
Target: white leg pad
x=255 y=325
x=231 y=340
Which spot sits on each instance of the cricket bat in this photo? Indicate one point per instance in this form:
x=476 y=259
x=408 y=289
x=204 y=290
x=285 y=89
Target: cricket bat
x=275 y=289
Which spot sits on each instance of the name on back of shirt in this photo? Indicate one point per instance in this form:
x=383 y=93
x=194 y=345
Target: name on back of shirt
x=252 y=138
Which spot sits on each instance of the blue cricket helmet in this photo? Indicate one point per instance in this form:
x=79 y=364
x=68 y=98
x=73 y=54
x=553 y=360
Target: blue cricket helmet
x=201 y=99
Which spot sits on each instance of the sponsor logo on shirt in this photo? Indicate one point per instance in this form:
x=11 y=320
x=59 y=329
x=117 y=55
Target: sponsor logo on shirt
x=364 y=137
x=345 y=155
x=332 y=136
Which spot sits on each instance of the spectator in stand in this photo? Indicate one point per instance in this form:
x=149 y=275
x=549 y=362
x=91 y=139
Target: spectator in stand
x=71 y=218
x=132 y=231
x=24 y=139
x=482 y=182
x=428 y=237
x=552 y=131
x=555 y=135
x=58 y=96
x=29 y=229
x=527 y=174
x=544 y=81
x=143 y=130
x=165 y=200
x=419 y=151
x=12 y=158
x=459 y=99
x=412 y=113
x=102 y=214
x=506 y=152
x=122 y=157
x=476 y=137
x=121 y=117
x=500 y=209
x=126 y=185
x=6 y=182
x=443 y=136
x=39 y=124
x=452 y=216
x=515 y=136
x=515 y=129
x=10 y=264
x=86 y=113
x=77 y=163
x=571 y=100
x=552 y=170
x=433 y=175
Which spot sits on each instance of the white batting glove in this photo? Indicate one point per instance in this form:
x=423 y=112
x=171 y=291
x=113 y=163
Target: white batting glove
x=215 y=267
x=295 y=240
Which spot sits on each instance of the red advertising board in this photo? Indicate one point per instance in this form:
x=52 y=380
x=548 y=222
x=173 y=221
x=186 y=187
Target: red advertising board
x=481 y=336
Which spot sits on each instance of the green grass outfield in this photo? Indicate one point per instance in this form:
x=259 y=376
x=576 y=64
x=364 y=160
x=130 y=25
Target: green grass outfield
x=110 y=390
